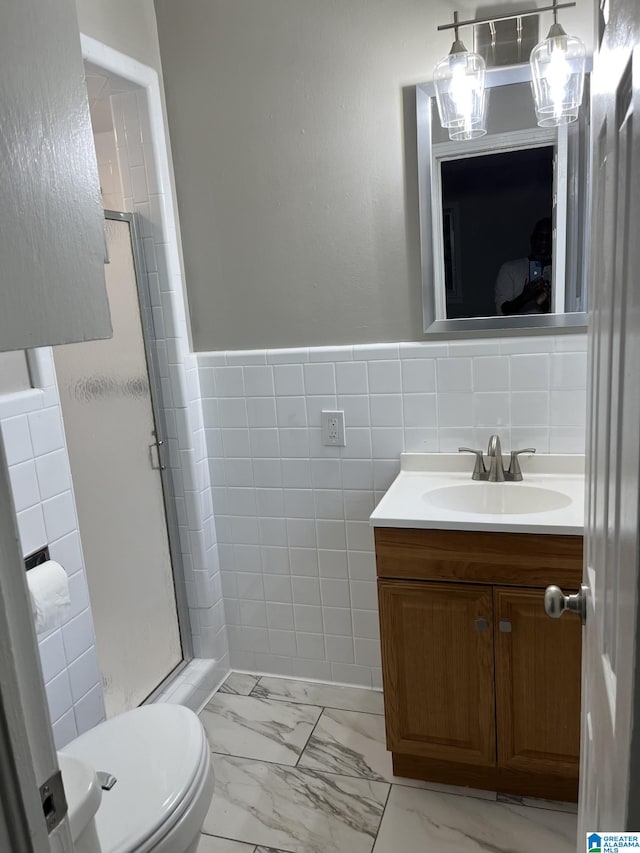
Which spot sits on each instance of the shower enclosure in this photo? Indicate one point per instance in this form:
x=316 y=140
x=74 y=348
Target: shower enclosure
x=110 y=394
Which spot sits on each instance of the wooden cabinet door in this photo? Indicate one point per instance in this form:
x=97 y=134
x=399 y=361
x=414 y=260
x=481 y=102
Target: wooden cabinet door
x=437 y=664
x=538 y=662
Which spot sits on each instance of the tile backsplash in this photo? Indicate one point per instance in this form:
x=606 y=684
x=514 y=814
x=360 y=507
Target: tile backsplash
x=295 y=545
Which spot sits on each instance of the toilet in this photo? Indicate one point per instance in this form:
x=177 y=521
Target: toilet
x=161 y=760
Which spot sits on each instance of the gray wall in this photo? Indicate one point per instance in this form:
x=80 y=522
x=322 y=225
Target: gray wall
x=295 y=167
x=123 y=25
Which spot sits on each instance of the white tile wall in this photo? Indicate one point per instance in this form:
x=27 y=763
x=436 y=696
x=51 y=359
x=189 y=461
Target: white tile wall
x=109 y=170
x=31 y=429
x=295 y=546
x=146 y=191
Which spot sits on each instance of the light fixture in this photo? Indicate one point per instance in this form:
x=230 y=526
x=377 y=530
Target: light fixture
x=557 y=76
x=557 y=69
x=460 y=91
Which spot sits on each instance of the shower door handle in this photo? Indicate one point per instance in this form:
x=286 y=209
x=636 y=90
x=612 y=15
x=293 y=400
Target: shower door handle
x=160 y=466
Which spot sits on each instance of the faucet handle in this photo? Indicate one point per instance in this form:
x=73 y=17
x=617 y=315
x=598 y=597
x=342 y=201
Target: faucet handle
x=514 y=465
x=479 y=468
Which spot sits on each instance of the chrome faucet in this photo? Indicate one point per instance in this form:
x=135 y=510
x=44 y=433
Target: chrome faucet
x=494 y=452
x=496 y=472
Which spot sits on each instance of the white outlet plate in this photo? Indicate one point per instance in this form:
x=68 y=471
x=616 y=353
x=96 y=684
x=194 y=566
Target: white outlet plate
x=333 y=428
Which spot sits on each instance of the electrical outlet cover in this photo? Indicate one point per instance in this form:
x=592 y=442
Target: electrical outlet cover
x=333 y=428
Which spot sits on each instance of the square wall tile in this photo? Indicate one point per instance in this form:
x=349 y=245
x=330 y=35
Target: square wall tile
x=291 y=411
x=45 y=427
x=52 y=657
x=258 y=381
x=59 y=695
x=326 y=474
x=337 y=620
x=568 y=407
x=455 y=410
x=296 y=473
x=568 y=370
x=78 y=636
x=319 y=379
x=24 y=485
x=308 y=618
x=89 y=710
x=31 y=529
x=386 y=409
x=335 y=592
x=386 y=442
x=339 y=649
x=420 y=410
x=305 y=590
x=491 y=409
x=64 y=729
x=356 y=409
x=261 y=411
x=229 y=381
x=301 y=532
x=491 y=373
x=16 y=439
x=351 y=378
x=332 y=563
x=384 y=377
x=530 y=372
x=418 y=375
x=277 y=589
x=288 y=379
x=53 y=473
x=454 y=374
x=232 y=412
x=280 y=616
x=530 y=409
x=304 y=562
x=84 y=674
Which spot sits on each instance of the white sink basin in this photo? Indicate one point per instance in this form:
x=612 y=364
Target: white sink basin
x=497 y=498
x=435 y=491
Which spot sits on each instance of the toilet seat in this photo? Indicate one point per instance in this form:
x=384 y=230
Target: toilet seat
x=160 y=756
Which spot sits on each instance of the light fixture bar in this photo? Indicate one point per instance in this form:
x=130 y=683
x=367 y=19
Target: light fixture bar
x=493 y=18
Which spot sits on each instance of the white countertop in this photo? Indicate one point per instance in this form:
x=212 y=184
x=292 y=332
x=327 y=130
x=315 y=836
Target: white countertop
x=405 y=503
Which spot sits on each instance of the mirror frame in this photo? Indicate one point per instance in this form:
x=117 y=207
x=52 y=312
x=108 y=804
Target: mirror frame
x=438 y=326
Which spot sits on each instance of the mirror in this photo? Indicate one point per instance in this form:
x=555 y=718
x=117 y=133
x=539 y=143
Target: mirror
x=503 y=218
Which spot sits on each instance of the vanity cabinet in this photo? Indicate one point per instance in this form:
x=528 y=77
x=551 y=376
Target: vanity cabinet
x=482 y=688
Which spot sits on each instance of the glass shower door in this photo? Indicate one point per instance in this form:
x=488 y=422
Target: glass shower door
x=111 y=435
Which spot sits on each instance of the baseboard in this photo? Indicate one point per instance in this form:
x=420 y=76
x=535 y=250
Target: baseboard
x=502 y=780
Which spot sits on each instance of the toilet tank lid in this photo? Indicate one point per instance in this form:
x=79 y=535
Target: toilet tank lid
x=82 y=791
x=155 y=752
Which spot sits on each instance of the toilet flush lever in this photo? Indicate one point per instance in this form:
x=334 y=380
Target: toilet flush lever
x=107 y=781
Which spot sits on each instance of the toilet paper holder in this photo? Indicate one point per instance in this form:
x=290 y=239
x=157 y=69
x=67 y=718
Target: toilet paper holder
x=37 y=558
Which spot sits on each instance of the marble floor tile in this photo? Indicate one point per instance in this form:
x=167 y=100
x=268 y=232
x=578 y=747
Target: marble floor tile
x=536 y=803
x=289 y=809
x=239 y=682
x=353 y=744
x=417 y=821
x=258 y=728
x=212 y=844
x=269 y=850
x=329 y=695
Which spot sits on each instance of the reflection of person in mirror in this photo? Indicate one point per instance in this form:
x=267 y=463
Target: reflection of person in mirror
x=523 y=286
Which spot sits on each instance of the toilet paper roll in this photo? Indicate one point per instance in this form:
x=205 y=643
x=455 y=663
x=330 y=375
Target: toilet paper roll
x=50 y=600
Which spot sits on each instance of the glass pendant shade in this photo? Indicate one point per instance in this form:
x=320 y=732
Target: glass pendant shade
x=557 y=72
x=460 y=93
